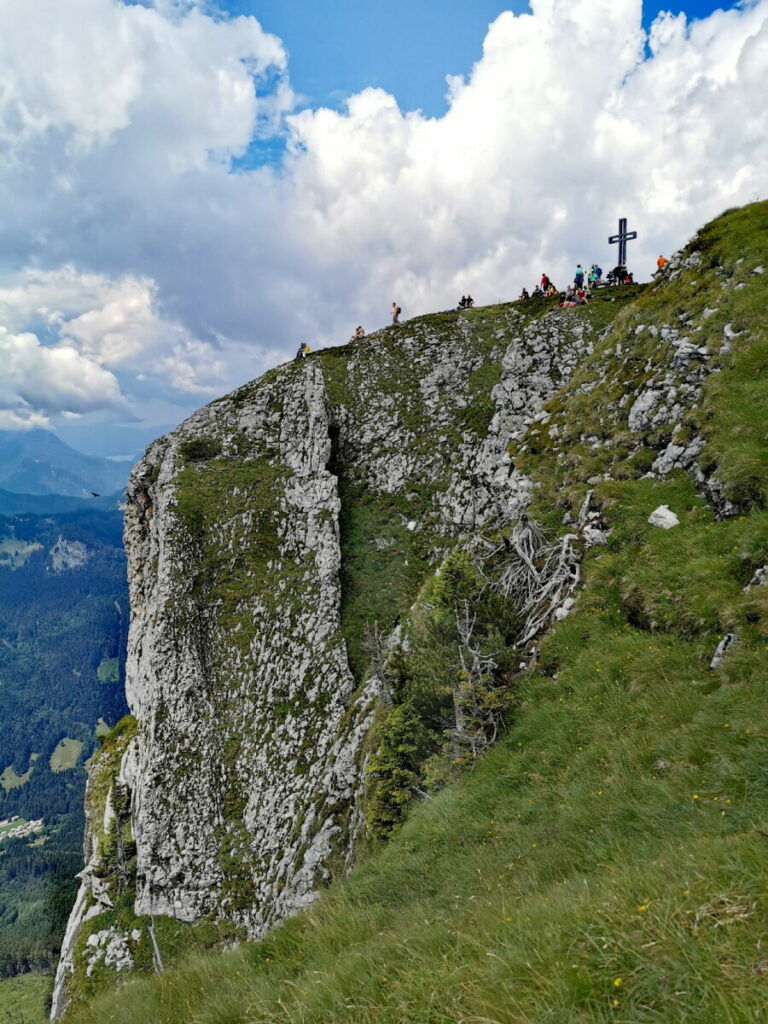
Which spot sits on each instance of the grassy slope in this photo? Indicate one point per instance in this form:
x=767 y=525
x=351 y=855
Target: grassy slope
x=23 y=999
x=608 y=859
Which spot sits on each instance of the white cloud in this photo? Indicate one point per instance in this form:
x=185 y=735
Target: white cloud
x=152 y=259
x=38 y=382
x=92 y=326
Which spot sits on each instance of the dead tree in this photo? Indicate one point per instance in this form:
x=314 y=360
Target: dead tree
x=524 y=567
x=476 y=704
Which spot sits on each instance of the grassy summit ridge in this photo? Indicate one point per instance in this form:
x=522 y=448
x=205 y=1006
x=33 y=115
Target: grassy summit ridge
x=606 y=860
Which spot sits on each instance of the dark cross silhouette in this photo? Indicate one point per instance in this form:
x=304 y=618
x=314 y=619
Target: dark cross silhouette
x=622 y=238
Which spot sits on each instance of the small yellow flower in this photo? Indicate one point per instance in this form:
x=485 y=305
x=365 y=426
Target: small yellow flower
x=614 y=1002
x=642 y=908
x=695 y=796
x=617 y=982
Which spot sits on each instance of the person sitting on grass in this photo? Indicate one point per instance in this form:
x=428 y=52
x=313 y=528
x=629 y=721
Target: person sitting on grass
x=304 y=350
x=524 y=295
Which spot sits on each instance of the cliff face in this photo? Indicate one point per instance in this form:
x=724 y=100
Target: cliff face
x=246 y=771
x=280 y=530
x=266 y=537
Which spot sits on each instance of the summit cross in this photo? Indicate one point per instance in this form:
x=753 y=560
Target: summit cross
x=622 y=238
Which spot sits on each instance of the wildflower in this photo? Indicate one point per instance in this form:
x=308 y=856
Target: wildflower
x=617 y=982
x=695 y=796
x=614 y=1002
x=642 y=908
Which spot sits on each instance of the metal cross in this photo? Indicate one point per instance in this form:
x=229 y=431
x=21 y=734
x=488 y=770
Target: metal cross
x=622 y=238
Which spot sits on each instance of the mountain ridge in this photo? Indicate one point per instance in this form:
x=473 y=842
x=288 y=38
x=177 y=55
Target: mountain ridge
x=38 y=462
x=459 y=443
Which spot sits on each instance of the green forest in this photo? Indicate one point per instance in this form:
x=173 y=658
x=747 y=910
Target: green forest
x=63 y=626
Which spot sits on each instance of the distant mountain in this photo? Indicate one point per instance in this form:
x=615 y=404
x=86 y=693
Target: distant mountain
x=38 y=462
x=12 y=504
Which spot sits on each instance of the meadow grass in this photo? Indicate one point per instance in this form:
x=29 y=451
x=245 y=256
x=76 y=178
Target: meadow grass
x=605 y=862
x=23 y=999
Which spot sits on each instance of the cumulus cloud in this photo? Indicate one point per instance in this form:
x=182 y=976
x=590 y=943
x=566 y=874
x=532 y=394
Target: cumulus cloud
x=63 y=335
x=156 y=256
x=38 y=381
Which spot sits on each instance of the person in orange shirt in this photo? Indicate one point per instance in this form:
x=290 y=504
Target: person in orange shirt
x=661 y=262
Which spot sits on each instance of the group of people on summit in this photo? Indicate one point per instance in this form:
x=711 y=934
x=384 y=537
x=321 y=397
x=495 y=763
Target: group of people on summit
x=584 y=281
x=576 y=294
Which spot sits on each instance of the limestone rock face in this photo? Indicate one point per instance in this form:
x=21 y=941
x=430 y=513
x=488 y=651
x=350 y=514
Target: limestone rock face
x=237 y=673
x=248 y=768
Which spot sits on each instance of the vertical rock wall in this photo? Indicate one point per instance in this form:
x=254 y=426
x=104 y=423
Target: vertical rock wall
x=249 y=583
x=246 y=770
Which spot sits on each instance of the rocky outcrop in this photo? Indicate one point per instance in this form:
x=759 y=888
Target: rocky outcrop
x=245 y=776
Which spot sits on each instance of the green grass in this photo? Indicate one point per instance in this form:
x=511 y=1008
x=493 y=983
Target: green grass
x=12 y=825
x=617 y=832
x=9 y=779
x=607 y=861
x=108 y=670
x=23 y=999
x=66 y=754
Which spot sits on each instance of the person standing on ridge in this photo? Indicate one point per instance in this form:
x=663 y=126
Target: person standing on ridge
x=578 y=277
x=396 y=311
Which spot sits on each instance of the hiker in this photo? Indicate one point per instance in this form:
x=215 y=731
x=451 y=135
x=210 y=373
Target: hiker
x=470 y=302
x=359 y=333
x=304 y=350
x=537 y=292
x=550 y=291
x=462 y=302
x=396 y=311
x=578 y=277
x=661 y=262
x=524 y=295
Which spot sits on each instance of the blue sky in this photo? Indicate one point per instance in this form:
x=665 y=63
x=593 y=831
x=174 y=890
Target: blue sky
x=404 y=46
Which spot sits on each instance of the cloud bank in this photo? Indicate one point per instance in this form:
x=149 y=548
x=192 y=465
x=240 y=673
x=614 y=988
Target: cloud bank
x=141 y=260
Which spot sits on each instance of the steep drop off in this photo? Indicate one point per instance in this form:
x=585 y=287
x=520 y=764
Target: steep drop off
x=274 y=532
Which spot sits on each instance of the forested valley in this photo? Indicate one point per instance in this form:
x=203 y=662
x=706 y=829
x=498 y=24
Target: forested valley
x=63 y=626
